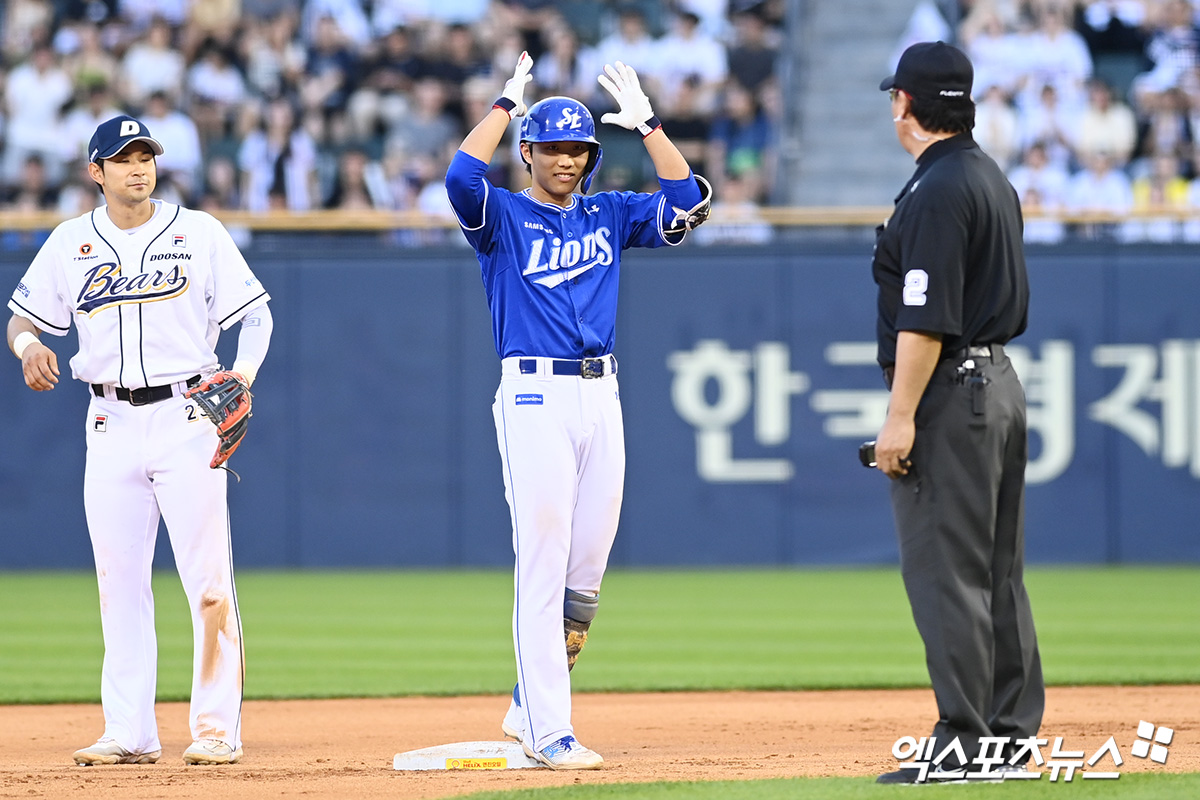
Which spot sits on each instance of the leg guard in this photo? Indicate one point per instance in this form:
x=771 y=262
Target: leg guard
x=578 y=612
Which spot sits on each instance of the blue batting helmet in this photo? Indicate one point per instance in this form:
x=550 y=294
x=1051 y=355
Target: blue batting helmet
x=563 y=119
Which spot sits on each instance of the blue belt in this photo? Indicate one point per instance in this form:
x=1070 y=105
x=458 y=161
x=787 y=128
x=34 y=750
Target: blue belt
x=582 y=368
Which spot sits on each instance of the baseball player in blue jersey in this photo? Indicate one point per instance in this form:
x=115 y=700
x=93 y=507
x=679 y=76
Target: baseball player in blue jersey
x=551 y=261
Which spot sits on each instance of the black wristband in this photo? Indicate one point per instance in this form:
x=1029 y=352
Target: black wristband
x=649 y=126
x=505 y=105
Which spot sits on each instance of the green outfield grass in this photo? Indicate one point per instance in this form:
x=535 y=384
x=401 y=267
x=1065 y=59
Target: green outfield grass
x=345 y=634
x=1127 y=787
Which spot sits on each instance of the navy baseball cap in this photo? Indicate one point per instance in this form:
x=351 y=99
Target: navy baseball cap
x=118 y=133
x=933 y=71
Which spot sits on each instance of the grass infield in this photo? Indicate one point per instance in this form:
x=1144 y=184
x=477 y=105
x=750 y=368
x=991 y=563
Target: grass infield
x=375 y=633
x=366 y=634
x=1127 y=787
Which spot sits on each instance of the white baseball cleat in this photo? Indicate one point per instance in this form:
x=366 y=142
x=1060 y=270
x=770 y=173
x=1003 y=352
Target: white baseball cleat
x=211 y=751
x=514 y=721
x=107 y=751
x=566 y=753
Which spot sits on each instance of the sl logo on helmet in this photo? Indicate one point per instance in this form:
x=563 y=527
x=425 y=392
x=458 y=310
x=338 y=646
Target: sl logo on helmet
x=570 y=119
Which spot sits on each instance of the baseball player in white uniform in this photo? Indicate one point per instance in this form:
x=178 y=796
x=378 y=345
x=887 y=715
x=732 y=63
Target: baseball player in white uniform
x=149 y=286
x=550 y=261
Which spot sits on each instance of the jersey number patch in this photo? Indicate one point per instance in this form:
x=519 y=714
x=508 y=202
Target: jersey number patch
x=916 y=284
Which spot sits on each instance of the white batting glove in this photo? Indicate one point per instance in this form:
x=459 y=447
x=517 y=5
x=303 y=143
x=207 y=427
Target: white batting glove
x=511 y=99
x=635 y=114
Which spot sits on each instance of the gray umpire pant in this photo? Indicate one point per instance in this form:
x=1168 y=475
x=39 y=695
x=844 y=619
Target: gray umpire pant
x=960 y=517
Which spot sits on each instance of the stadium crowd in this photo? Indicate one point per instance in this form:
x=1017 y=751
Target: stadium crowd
x=353 y=104
x=1092 y=108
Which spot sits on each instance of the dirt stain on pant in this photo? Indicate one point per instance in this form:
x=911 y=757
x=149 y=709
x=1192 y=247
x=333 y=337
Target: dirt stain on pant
x=214 y=617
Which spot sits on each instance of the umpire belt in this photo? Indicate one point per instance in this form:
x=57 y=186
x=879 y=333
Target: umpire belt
x=992 y=352
x=146 y=395
x=546 y=367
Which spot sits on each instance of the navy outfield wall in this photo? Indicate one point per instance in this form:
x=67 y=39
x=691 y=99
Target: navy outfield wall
x=747 y=378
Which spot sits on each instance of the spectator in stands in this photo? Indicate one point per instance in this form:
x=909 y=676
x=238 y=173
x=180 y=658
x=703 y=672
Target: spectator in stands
x=81 y=121
x=1106 y=124
x=1058 y=56
x=141 y=14
x=1100 y=188
x=754 y=51
x=688 y=54
x=216 y=89
x=34 y=94
x=631 y=43
x=1113 y=26
x=992 y=49
x=180 y=163
x=452 y=60
x=1049 y=123
x=427 y=126
x=151 y=64
x=735 y=217
x=350 y=190
x=1174 y=51
x=215 y=21
x=1046 y=181
x=90 y=63
x=23 y=24
x=557 y=71
x=329 y=68
x=1165 y=129
x=349 y=17
x=221 y=191
x=1041 y=227
x=1162 y=190
x=688 y=121
x=996 y=126
x=274 y=57
x=32 y=191
x=78 y=194
x=278 y=162
x=740 y=138
x=382 y=96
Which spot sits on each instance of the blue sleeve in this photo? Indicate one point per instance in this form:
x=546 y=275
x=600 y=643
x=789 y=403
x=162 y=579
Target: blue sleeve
x=468 y=190
x=683 y=194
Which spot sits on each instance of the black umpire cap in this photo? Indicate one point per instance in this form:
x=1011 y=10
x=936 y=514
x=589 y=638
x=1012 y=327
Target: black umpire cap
x=114 y=135
x=933 y=71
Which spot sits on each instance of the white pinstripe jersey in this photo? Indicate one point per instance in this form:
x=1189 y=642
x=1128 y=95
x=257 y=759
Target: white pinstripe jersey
x=148 y=305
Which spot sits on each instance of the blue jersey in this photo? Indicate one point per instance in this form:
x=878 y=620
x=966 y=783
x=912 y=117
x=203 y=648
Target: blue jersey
x=551 y=273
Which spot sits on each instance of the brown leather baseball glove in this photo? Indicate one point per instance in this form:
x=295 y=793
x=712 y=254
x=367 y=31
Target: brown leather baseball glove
x=225 y=399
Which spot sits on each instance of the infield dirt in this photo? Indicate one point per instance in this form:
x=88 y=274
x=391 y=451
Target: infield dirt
x=343 y=748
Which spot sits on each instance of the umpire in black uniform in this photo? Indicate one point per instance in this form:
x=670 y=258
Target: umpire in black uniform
x=950 y=267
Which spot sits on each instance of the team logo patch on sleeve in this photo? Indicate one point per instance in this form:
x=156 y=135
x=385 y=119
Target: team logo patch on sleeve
x=529 y=400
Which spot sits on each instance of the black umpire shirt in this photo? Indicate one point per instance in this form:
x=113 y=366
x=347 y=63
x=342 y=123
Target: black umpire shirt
x=951 y=259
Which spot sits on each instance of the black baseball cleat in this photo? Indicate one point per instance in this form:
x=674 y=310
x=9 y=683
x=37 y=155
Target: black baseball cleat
x=935 y=774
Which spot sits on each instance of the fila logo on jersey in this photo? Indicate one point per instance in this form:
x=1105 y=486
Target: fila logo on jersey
x=179 y=240
x=100 y=423
x=104 y=286
x=564 y=260
x=570 y=119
